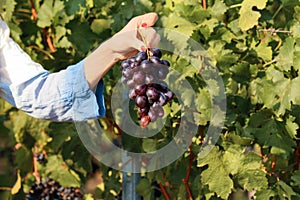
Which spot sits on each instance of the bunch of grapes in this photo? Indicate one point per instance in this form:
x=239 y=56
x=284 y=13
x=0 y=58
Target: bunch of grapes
x=52 y=190
x=144 y=74
x=40 y=157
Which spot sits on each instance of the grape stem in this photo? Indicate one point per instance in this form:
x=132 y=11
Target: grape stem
x=145 y=42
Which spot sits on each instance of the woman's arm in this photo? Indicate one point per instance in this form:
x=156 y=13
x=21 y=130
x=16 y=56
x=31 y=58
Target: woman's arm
x=26 y=85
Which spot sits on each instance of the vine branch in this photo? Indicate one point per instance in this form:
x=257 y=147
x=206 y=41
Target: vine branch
x=297 y=156
x=186 y=179
x=164 y=192
x=273 y=164
x=33 y=10
x=274 y=31
x=35 y=166
x=204 y=4
x=48 y=40
x=5 y=188
x=201 y=134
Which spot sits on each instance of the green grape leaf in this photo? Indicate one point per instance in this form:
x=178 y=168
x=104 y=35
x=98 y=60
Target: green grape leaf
x=270 y=133
x=218 y=9
x=82 y=36
x=59 y=134
x=295 y=95
x=264 y=51
x=286 y=54
x=207 y=27
x=74 y=6
x=284 y=190
x=296 y=31
x=203 y=105
x=265 y=194
x=58 y=170
x=215 y=172
x=149 y=145
x=240 y=72
x=248 y=17
x=61 y=40
x=246 y=168
x=275 y=91
x=291 y=126
x=23 y=160
x=296 y=179
x=177 y=26
x=9 y=9
x=253 y=179
x=144 y=188
x=290 y=3
x=47 y=13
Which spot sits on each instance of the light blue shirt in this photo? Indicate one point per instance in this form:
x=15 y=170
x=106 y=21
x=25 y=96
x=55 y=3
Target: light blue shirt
x=61 y=96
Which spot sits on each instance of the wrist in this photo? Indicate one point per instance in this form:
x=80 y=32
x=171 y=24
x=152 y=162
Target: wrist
x=106 y=48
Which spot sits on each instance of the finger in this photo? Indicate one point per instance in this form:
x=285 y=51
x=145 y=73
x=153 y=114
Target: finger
x=154 y=42
x=147 y=20
x=139 y=45
x=151 y=37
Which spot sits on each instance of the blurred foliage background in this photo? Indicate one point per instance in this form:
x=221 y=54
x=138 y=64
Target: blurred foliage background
x=255 y=46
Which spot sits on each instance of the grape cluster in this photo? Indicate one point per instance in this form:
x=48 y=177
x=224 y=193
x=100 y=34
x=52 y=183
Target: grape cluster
x=144 y=74
x=40 y=157
x=52 y=190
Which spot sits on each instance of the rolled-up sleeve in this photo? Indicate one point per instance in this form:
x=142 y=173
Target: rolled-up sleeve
x=60 y=96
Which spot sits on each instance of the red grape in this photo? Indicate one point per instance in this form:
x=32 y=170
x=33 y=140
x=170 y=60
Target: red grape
x=143 y=111
x=156 y=52
x=152 y=93
x=145 y=120
x=141 y=101
x=141 y=89
x=138 y=77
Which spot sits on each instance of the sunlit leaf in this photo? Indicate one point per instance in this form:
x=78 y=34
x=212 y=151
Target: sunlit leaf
x=248 y=17
x=15 y=189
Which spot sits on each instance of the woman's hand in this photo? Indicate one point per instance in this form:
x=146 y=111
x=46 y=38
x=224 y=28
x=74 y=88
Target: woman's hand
x=121 y=46
x=128 y=41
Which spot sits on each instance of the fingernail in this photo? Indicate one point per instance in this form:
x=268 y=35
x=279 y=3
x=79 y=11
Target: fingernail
x=143 y=48
x=144 y=25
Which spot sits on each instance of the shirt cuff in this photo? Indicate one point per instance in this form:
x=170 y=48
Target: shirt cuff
x=87 y=104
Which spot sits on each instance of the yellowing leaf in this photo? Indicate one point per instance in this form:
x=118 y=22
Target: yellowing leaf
x=264 y=51
x=249 y=17
x=17 y=185
x=99 y=25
